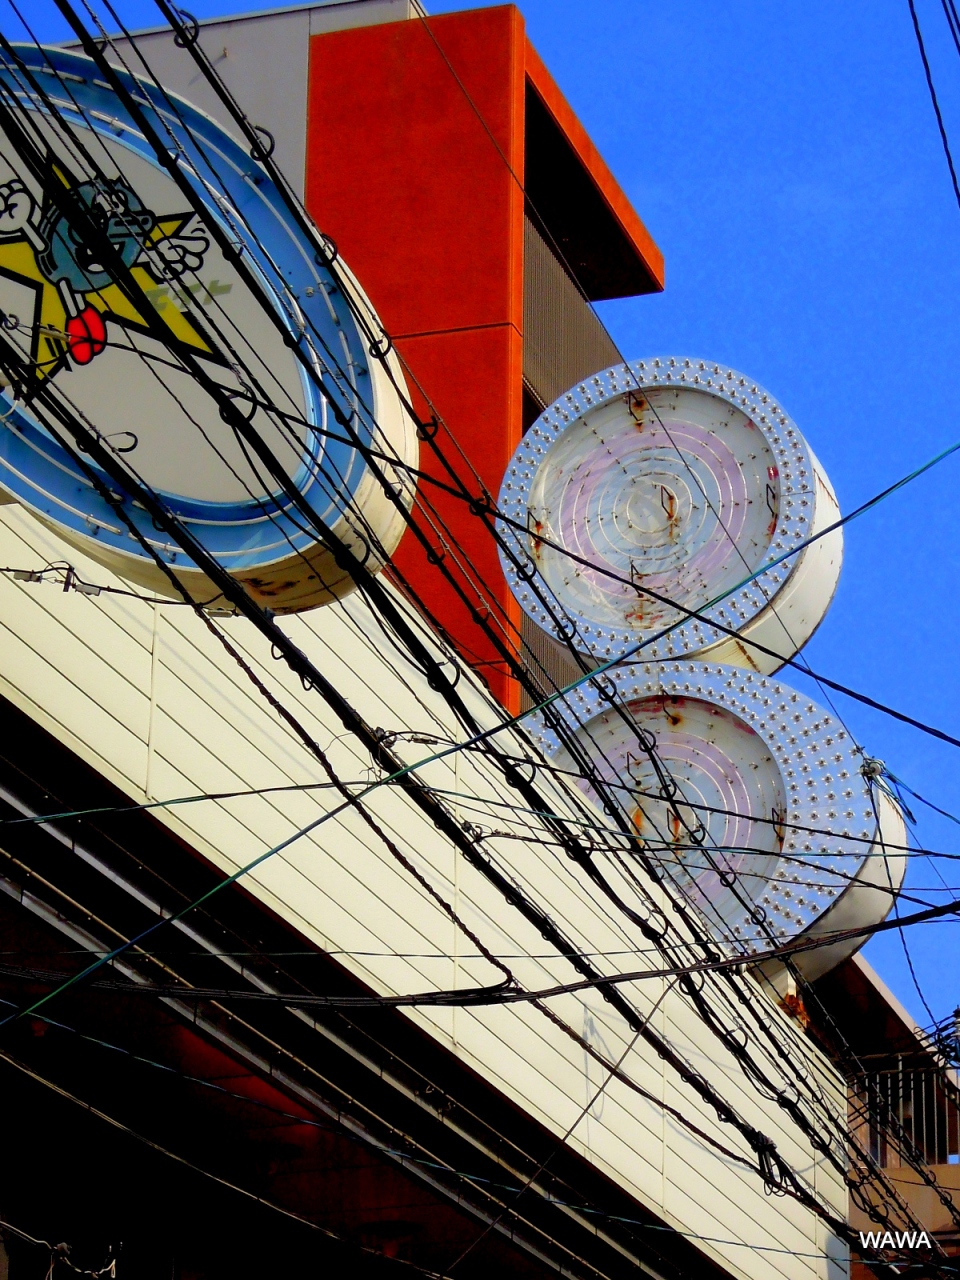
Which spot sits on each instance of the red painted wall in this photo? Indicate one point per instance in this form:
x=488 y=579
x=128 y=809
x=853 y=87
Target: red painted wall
x=424 y=199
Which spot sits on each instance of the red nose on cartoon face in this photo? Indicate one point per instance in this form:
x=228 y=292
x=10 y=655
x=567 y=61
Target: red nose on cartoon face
x=87 y=335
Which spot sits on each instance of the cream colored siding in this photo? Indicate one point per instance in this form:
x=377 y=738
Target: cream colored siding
x=128 y=686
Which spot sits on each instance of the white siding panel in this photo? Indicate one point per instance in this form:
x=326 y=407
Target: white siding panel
x=89 y=671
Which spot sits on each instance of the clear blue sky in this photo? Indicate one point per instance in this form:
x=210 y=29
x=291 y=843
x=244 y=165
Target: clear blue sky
x=785 y=156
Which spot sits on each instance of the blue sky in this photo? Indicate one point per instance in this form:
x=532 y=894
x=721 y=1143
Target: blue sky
x=786 y=158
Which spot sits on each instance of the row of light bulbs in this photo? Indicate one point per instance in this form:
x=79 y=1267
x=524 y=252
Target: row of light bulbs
x=687 y=478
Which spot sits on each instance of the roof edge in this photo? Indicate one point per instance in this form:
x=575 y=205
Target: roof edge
x=621 y=210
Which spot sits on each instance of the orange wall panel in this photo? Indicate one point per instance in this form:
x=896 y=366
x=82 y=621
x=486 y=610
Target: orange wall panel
x=414 y=155
x=483 y=400
x=620 y=207
x=403 y=173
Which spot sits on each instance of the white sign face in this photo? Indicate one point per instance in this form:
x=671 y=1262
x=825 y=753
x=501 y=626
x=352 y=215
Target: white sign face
x=725 y=822
x=153 y=313
x=654 y=491
x=673 y=489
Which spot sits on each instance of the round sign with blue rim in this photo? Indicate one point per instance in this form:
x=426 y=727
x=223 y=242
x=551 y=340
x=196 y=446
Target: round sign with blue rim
x=119 y=354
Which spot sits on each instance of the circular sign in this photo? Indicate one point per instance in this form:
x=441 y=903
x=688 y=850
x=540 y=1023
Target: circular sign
x=654 y=489
x=766 y=824
x=120 y=354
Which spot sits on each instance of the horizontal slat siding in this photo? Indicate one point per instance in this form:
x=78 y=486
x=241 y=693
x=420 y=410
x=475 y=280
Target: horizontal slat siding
x=84 y=667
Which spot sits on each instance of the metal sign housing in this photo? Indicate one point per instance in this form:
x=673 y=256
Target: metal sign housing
x=678 y=479
x=772 y=830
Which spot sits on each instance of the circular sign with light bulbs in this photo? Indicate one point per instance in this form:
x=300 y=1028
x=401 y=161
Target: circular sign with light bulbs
x=143 y=310
x=766 y=823
x=653 y=492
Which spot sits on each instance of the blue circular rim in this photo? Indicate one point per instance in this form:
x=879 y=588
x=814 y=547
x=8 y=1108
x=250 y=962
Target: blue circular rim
x=240 y=535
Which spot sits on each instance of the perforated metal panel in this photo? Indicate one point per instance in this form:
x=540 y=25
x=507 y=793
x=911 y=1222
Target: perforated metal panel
x=563 y=340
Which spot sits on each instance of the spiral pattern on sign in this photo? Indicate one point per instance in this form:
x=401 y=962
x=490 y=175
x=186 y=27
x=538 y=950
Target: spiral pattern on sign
x=656 y=491
x=714 y=823
x=676 y=491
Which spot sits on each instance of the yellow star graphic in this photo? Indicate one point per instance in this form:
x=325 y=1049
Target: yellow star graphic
x=50 y=344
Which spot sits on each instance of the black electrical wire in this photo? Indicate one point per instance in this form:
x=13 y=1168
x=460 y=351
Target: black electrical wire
x=59 y=1254
x=189 y=41
x=228 y=411
x=101 y=462
x=402 y=1156
x=256 y=150
x=109 y=465
x=462 y=799
x=504 y=992
x=461 y=86
x=181 y=1160
x=754 y=644
x=90 y=159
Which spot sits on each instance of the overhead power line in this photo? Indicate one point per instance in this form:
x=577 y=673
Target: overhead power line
x=771 y=1166
x=60 y=1255
x=505 y=992
x=184 y=1162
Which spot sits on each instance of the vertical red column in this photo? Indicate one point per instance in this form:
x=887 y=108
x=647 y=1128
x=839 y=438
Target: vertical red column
x=414 y=167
